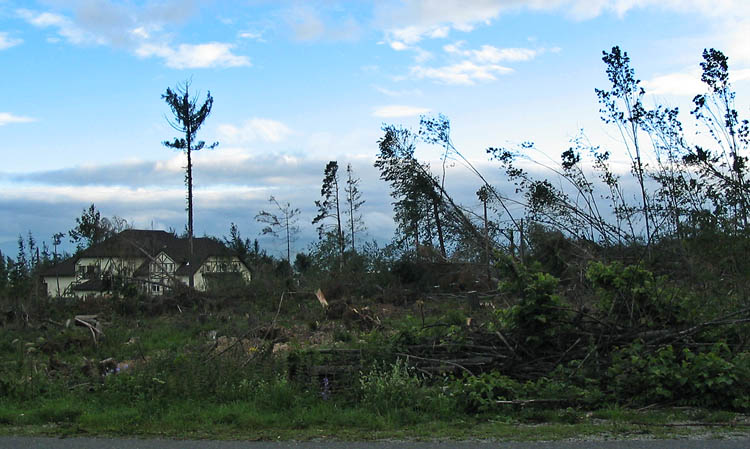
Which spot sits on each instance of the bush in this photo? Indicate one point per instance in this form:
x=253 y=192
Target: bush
x=481 y=393
x=632 y=295
x=398 y=390
x=713 y=378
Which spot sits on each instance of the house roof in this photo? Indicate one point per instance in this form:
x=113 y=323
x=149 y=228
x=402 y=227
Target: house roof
x=65 y=268
x=139 y=242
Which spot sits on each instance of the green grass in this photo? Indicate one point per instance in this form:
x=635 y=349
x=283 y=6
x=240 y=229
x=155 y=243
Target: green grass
x=312 y=419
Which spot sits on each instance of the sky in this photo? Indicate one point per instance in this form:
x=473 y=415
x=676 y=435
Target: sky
x=298 y=83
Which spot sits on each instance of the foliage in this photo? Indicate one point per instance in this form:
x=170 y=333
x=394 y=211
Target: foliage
x=538 y=316
x=330 y=206
x=710 y=378
x=398 y=389
x=632 y=296
x=418 y=206
x=481 y=393
x=91 y=228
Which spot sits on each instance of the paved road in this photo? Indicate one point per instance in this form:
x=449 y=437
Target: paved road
x=102 y=443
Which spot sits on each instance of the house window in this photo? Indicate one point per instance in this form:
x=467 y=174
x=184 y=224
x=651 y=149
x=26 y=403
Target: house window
x=91 y=272
x=155 y=288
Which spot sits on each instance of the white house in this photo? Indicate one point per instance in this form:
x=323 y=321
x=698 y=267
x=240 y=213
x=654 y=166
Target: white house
x=151 y=261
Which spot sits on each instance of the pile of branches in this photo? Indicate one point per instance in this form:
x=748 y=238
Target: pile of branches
x=583 y=338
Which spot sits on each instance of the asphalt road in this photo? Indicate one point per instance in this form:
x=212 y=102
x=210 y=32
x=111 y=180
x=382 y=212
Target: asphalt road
x=106 y=443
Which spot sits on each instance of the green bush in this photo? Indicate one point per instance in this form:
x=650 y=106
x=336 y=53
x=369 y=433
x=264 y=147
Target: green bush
x=397 y=389
x=631 y=295
x=714 y=378
x=480 y=393
x=538 y=318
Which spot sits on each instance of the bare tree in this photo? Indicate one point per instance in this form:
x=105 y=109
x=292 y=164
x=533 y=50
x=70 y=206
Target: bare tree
x=353 y=202
x=284 y=222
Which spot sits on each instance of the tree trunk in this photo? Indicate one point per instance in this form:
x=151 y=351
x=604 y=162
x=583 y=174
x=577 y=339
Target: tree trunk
x=191 y=279
x=288 y=240
x=439 y=227
x=351 y=222
x=486 y=243
x=339 y=230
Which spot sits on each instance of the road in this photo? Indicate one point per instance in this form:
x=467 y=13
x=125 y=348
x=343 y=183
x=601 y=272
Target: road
x=106 y=443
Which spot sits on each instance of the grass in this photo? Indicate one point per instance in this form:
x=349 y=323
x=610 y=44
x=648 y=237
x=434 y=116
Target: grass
x=248 y=420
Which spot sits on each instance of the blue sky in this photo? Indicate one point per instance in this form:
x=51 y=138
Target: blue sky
x=298 y=83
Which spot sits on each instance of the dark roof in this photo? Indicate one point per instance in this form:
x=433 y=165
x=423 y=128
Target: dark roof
x=128 y=242
x=65 y=268
x=134 y=242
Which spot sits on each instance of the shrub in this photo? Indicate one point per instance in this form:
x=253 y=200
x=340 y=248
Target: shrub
x=632 y=295
x=398 y=389
x=712 y=378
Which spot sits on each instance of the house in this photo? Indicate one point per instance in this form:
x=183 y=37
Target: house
x=153 y=262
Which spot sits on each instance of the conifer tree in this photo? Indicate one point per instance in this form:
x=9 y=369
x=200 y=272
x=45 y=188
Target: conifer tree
x=187 y=119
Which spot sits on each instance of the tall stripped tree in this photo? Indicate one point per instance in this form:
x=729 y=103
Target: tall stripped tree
x=330 y=206
x=353 y=202
x=187 y=119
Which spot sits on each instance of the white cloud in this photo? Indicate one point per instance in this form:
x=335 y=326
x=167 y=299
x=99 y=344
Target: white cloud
x=465 y=72
x=199 y=56
x=416 y=20
x=398 y=93
x=139 y=29
x=7 y=41
x=65 y=27
x=681 y=83
x=397 y=110
x=96 y=194
x=492 y=54
x=309 y=24
x=473 y=66
x=398 y=46
x=6 y=118
x=251 y=35
x=253 y=130
x=687 y=83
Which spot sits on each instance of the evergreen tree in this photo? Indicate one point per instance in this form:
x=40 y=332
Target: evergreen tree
x=330 y=206
x=188 y=118
x=418 y=207
x=19 y=274
x=90 y=229
x=3 y=276
x=353 y=202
